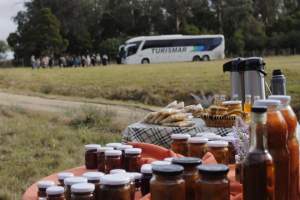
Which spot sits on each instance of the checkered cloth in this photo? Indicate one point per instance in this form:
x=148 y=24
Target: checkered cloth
x=161 y=135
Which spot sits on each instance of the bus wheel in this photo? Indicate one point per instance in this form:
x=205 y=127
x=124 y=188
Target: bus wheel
x=206 y=58
x=145 y=61
x=196 y=59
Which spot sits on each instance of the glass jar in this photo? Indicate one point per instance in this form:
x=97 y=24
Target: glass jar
x=258 y=167
x=42 y=187
x=91 y=156
x=190 y=174
x=231 y=149
x=167 y=183
x=132 y=185
x=213 y=183
x=112 y=160
x=123 y=148
x=83 y=191
x=293 y=143
x=146 y=171
x=101 y=158
x=94 y=178
x=62 y=176
x=115 y=187
x=114 y=145
x=71 y=181
x=179 y=144
x=197 y=146
x=55 y=193
x=133 y=159
x=278 y=146
x=137 y=180
x=220 y=151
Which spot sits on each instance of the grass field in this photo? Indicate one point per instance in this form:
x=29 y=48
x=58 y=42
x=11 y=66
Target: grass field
x=148 y=84
x=33 y=145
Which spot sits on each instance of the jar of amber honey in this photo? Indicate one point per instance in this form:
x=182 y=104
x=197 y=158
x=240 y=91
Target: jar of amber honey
x=220 y=151
x=190 y=174
x=179 y=144
x=72 y=181
x=42 y=187
x=83 y=191
x=91 y=156
x=123 y=148
x=94 y=178
x=62 y=176
x=133 y=159
x=55 y=193
x=231 y=149
x=101 y=158
x=113 y=160
x=167 y=183
x=115 y=187
x=197 y=146
x=146 y=171
x=212 y=183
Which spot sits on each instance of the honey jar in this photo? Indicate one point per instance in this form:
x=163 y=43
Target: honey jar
x=91 y=156
x=231 y=149
x=71 y=181
x=115 y=187
x=179 y=144
x=123 y=148
x=83 y=191
x=94 y=178
x=167 y=183
x=42 y=187
x=133 y=159
x=146 y=171
x=197 y=146
x=101 y=158
x=55 y=193
x=62 y=176
x=220 y=151
x=113 y=160
x=212 y=183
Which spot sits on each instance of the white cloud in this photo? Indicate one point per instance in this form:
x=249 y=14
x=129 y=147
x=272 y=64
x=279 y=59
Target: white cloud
x=8 y=9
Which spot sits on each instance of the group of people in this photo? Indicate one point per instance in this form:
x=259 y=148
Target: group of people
x=69 y=61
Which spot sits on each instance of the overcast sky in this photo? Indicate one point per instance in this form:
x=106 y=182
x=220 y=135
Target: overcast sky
x=8 y=9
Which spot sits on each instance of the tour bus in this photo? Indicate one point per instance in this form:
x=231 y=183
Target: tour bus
x=172 y=48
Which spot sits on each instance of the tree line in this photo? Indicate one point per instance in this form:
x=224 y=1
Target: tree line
x=250 y=27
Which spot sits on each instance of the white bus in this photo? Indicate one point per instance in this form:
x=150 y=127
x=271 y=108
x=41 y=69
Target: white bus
x=172 y=48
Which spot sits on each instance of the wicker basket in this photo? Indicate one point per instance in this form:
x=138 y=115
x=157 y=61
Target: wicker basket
x=218 y=121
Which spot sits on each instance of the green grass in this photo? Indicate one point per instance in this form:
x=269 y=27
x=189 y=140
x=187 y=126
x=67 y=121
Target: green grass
x=34 y=145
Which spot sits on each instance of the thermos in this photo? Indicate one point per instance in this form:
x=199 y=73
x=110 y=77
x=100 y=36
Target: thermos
x=278 y=83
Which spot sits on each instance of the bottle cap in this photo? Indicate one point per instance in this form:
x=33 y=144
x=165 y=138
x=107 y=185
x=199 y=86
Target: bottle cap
x=93 y=176
x=89 y=147
x=217 y=144
x=114 y=179
x=284 y=100
x=63 y=175
x=45 y=184
x=55 y=190
x=259 y=109
x=146 y=169
x=74 y=180
x=198 y=140
x=180 y=136
x=113 y=153
x=277 y=72
x=133 y=151
x=82 y=188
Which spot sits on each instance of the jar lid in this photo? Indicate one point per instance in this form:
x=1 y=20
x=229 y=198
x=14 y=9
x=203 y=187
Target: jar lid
x=114 y=144
x=63 y=175
x=83 y=187
x=133 y=151
x=225 y=103
x=45 y=184
x=117 y=171
x=92 y=147
x=217 y=144
x=213 y=169
x=146 y=169
x=93 y=176
x=130 y=176
x=114 y=179
x=180 y=136
x=267 y=103
x=123 y=147
x=285 y=100
x=187 y=161
x=169 y=159
x=198 y=140
x=103 y=149
x=136 y=175
x=167 y=170
x=113 y=153
x=160 y=162
x=55 y=190
x=75 y=180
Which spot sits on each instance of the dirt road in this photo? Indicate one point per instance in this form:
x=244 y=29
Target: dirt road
x=130 y=113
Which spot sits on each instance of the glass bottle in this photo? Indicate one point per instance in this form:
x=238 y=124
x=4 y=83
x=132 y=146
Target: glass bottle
x=167 y=183
x=55 y=193
x=258 y=167
x=247 y=104
x=293 y=143
x=190 y=174
x=213 y=183
x=278 y=146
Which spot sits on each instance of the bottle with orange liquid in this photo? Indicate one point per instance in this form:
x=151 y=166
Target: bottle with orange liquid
x=277 y=138
x=293 y=144
x=247 y=104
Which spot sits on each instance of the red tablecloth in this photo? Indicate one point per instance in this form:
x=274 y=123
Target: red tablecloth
x=150 y=153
